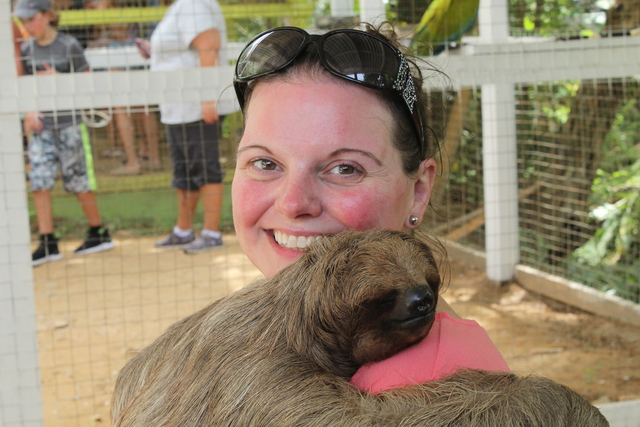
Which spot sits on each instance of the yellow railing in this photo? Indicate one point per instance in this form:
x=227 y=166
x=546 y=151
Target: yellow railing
x=296 y=10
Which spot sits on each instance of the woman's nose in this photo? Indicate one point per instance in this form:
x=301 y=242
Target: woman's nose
x=298 y=197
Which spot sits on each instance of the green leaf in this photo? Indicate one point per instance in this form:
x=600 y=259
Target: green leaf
x=529 y=25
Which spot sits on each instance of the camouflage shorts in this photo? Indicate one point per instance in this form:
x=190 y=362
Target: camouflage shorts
x=63 y=149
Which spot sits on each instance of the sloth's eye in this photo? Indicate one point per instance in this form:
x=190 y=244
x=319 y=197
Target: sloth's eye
x=387 y=302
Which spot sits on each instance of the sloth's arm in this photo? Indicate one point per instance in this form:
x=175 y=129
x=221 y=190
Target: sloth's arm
x=133 y=376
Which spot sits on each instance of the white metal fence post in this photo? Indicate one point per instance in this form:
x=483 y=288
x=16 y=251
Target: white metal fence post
x=342 y=8
x=372 y=11
x=20 y=393
x=499 y=150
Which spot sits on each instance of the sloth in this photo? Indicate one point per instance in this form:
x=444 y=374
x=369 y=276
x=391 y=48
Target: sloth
x=280 y=352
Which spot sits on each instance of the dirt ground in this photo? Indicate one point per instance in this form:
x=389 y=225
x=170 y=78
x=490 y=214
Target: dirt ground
x=94 y=313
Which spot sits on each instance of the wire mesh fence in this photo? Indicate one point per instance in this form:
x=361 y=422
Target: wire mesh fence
x=577 y=168
x=578 y=172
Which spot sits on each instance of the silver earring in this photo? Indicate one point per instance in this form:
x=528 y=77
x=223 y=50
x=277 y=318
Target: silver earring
x=413 y=220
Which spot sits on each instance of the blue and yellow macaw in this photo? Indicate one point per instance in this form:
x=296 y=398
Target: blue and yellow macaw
x=443 y=22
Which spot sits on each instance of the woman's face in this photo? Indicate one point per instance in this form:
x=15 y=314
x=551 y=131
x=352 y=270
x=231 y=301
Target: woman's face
x=316 y=159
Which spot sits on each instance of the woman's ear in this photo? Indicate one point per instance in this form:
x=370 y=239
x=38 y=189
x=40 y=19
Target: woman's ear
x=423 y=187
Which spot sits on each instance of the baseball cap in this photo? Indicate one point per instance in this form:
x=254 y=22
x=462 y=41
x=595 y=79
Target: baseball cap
x=25 y=9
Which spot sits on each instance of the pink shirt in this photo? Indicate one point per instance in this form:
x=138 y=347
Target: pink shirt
x=452 y=343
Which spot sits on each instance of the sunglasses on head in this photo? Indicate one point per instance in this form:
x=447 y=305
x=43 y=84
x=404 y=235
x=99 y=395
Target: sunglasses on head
x=349 y=54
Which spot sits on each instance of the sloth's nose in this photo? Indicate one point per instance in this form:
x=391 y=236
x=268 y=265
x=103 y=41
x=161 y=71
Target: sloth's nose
x=419 y=300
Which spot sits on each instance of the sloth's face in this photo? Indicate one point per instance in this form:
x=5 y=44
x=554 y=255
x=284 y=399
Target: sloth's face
x=381 y=293
x=398 y=314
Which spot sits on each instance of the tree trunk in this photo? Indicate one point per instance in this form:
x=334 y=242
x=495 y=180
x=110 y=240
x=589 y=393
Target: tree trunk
x=449 y=149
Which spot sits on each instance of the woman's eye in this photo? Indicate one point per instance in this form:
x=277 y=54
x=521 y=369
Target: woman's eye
x=265 y=164
x=345 y=169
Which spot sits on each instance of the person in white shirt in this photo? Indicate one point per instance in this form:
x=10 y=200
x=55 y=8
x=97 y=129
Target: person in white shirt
x=192 y=34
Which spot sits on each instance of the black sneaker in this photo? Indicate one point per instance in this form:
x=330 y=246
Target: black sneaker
x=97 y=240
x=47 y=251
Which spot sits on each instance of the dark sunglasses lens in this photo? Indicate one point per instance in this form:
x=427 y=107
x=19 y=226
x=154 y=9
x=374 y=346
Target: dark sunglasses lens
x=361 y=57
x=269 y=52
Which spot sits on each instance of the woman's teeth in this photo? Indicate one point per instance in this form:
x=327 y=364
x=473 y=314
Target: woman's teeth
x=298 y=243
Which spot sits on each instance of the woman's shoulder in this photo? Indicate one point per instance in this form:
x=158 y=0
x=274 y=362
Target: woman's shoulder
x=452 y=343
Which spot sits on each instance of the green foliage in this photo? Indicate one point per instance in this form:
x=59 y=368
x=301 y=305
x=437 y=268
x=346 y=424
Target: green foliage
x=545 y=18
x=551 y=17
x=613 y=240
x=323 y=7
x=407 y=11
x=622 y=144
x=609 y=260
x=528 y=24
x=244 y=29
x=615 y=247
x=555 y=104
x=269 y=14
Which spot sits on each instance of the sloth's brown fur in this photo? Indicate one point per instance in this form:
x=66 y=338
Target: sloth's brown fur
x=280 y=353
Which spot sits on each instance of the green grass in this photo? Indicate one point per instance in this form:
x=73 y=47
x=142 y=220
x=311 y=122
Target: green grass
x=139 y=212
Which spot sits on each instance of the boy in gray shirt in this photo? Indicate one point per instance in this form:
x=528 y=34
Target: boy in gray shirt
x=57 y=139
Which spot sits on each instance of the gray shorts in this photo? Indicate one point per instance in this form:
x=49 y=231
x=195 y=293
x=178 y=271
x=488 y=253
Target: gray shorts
x=67 y=150
x=195 y=154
